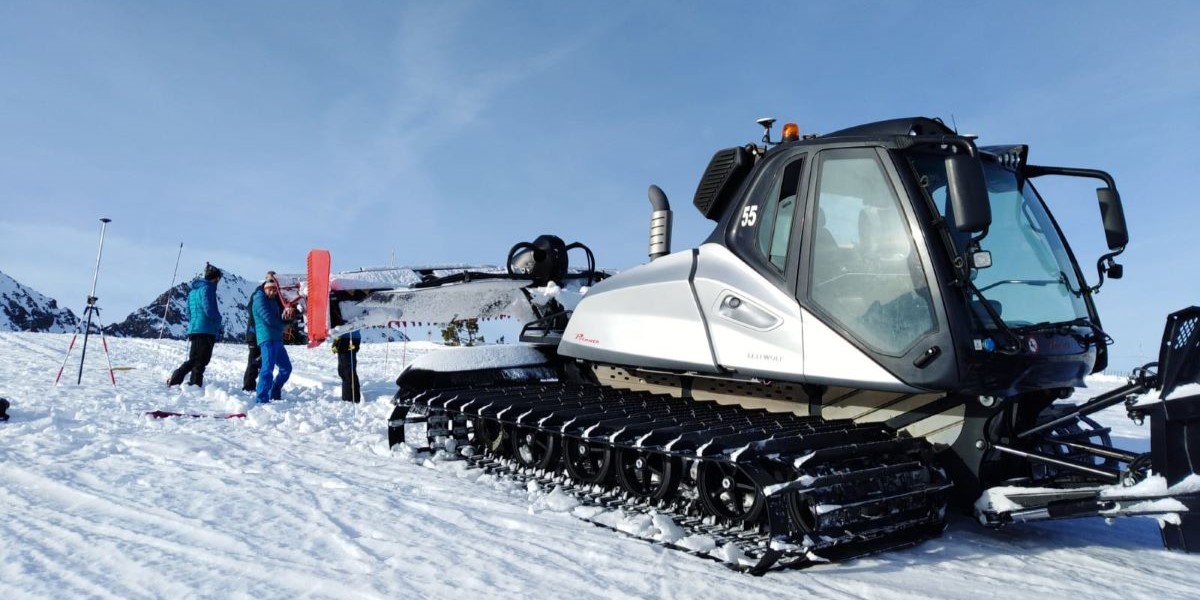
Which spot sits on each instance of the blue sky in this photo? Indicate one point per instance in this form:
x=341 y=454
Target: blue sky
x=433 y=132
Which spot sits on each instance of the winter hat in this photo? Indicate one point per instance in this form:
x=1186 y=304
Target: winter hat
x=211 y=273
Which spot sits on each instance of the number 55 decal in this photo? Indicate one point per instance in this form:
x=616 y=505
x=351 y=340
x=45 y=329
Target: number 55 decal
x=749 y=216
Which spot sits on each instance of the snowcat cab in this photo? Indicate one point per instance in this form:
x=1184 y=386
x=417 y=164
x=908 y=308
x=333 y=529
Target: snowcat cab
x=905 y=258
x=885 y=321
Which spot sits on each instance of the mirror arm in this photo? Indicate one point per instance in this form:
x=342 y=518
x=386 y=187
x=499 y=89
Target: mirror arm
x=1102 y=266
x=1032 y=171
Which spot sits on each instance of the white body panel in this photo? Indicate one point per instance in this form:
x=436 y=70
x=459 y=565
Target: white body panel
x=648 y=317
x=645 y=316
x=762 y=334
x=834 y=360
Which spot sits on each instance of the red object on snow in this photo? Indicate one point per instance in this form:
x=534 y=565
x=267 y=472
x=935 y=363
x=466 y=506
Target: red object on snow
x=163 y=414
x=318 y=297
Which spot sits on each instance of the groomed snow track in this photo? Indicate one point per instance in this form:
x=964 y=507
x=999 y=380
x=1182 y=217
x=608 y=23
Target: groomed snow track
x=787 y=491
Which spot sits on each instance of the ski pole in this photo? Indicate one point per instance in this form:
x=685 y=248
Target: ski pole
x=170 y=294
x=91 y=301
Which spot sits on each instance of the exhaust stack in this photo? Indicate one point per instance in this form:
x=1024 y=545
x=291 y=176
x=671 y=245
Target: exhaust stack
x=660 y=223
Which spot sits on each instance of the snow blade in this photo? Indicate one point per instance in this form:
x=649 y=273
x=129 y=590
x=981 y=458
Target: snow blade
x=163 y=414
x=318 y=297
x=1175 y=422
x=1179 y=356
x=1173 y=477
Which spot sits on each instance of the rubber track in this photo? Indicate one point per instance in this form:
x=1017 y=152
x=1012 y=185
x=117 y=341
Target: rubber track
x=832 y=490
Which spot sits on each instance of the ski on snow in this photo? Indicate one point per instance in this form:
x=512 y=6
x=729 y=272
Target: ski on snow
x=164 y=414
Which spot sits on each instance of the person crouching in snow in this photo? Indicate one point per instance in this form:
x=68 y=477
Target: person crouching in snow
x=204 y=325
x=268 y=326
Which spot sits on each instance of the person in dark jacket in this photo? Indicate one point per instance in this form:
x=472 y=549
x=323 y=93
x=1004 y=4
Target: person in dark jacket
x=346 y=347
x=254 y=356
x=204 y=325
x=269 y=315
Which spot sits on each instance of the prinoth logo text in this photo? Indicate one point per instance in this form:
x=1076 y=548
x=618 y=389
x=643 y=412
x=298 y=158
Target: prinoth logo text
x=764 y=356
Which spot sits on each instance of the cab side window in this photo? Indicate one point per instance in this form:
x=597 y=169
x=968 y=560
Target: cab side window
x=865 y=271
x=765 y=224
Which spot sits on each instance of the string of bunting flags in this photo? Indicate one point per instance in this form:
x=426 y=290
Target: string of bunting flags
x=404 y=324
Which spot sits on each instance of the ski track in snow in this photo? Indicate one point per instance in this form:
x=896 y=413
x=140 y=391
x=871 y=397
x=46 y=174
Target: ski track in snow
x=303 y=498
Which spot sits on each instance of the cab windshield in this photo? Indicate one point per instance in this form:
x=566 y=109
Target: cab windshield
x=1032 y=279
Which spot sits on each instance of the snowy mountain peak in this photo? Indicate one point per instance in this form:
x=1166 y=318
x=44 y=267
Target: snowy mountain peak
x=24 y=309
x=168 y=313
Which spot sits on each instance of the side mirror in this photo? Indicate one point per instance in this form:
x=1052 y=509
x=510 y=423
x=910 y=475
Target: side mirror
x=967 y=193
x=1113 y=215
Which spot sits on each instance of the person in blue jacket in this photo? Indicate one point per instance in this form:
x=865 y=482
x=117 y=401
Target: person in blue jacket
x=269 y=315
x=204 y=325
x=254 y=358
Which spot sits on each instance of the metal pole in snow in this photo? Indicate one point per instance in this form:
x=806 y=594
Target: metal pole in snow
x=91 y=301
x=170 y=294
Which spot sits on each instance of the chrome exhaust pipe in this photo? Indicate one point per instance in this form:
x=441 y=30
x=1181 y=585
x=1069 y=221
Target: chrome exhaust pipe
x=660 y=223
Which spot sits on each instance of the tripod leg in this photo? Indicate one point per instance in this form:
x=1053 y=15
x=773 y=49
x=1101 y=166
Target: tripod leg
x=66 y=356
x=104 y=342
x=91 y=308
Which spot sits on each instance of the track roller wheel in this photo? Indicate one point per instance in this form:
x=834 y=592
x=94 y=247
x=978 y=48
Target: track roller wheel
x=489 y=436
x=729 y=493
x=802 y=509
x=648 y=475
x=587 y=462
x=534 y=448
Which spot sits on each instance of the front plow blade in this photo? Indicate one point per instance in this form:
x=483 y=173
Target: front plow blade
x=1171 y=488
x=1175 y=425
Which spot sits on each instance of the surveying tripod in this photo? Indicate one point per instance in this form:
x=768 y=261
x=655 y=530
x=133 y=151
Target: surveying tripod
x=91 y=310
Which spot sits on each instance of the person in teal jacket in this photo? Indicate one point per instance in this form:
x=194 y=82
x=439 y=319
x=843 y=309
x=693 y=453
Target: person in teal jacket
x=204 y=326
x=268 y=326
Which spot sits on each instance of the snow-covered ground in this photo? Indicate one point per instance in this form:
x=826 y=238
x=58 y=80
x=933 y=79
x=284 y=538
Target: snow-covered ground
x=303 y=498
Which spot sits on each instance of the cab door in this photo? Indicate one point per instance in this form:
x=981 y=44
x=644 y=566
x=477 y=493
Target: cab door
x=864 y=280
x=745 y=285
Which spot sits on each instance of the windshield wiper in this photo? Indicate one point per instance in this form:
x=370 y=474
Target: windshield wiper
x=1037 y=282
x=1062 y=280
x=1013 y=345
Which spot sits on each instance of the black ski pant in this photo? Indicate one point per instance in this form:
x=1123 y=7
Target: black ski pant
x=253 y=365
x=199 y=354
x=348 y=371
